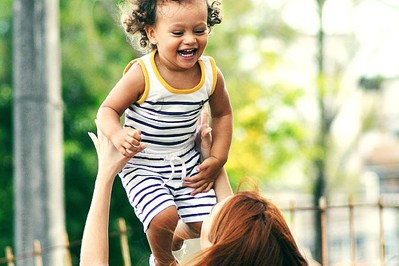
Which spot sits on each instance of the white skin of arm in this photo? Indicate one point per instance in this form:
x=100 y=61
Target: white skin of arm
x=127 y=91
x=221 y=139
x=94 y=249
x=222 y=186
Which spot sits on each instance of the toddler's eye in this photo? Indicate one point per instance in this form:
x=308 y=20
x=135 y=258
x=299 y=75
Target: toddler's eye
x=199 y=32
x=177 y=33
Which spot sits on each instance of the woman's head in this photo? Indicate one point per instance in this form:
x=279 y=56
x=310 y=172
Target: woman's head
x=139 y=14
x=247 y=229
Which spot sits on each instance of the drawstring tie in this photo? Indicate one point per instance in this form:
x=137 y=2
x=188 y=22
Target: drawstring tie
x=172 y=164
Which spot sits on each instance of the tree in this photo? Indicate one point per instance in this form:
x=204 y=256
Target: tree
x=38 y=156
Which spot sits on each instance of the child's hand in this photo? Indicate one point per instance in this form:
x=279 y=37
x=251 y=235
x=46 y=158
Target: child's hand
x=207 y=173
x=128 y=141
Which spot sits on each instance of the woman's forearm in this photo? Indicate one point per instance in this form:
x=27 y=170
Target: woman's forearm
x=94 y=250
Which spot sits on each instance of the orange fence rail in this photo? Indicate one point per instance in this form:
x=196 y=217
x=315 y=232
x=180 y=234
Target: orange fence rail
x=10 y=259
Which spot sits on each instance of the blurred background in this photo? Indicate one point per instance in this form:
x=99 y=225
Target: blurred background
x=314 y=86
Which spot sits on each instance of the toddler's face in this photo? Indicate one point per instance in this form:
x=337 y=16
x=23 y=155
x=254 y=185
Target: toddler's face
x=180 y=32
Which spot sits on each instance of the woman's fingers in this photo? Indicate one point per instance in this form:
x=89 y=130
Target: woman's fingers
x=204 y=117
x=94 y=139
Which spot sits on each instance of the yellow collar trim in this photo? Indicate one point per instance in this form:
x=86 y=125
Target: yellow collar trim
x=169 y=87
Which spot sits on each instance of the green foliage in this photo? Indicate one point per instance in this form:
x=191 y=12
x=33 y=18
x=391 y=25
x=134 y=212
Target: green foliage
x=6 y=159
x=94 y=53
x=268 y=133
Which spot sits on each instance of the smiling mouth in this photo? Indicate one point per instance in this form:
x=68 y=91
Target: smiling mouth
x=187 y=52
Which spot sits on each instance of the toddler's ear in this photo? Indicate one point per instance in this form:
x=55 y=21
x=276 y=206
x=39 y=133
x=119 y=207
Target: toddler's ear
x=151 y=34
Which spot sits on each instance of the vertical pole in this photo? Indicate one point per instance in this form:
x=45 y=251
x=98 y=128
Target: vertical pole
x=382 y=237
x=323 y=225
x=352 y=234
x=37 y=251
x=38 y=133
x=10 y=257
x=319 y=189
x=124 y=242
x=292 y=216
x=68 y=257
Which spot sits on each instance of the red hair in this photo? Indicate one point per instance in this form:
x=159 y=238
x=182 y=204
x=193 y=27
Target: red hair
x=250 y=230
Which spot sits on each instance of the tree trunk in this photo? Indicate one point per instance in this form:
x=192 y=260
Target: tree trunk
x=38 y=139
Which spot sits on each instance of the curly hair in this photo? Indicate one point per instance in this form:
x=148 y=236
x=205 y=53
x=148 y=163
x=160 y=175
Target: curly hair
x=136 y=14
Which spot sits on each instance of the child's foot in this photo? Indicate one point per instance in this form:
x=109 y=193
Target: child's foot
x=179 y=254
x=151 y=260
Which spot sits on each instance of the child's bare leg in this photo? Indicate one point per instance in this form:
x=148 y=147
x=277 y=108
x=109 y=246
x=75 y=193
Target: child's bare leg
x=222 y=186
x=185 y=231
x=160 y=236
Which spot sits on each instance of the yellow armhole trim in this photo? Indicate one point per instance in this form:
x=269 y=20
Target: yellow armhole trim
x=214 y=73
x=146 y=78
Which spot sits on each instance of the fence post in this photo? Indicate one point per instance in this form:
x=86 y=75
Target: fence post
x=352 y=234
x=382 y=238
x=324 y=239
x=68 y=258
x=37 y=251
x=292 y=214
x=10 y=256
x=124 y=242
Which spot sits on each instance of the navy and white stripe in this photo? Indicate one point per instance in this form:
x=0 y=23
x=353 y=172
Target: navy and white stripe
x=167 y=118
x=144 y=178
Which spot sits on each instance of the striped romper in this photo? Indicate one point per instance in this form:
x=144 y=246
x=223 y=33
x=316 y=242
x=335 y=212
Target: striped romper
x=167 y=118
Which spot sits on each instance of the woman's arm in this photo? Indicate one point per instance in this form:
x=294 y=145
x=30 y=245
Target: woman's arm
x=94 y=249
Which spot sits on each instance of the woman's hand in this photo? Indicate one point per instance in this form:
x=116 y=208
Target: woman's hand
x=110 y=160
x=203 y=139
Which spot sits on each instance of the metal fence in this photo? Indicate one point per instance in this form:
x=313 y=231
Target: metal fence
x=292 y=214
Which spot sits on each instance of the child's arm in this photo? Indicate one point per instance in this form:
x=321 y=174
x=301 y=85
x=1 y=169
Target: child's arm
x=221 y=133
x=222 y=121
x=129 y=88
